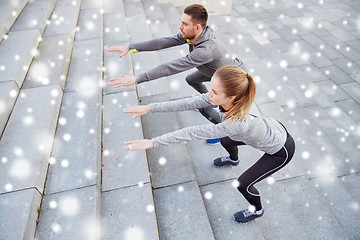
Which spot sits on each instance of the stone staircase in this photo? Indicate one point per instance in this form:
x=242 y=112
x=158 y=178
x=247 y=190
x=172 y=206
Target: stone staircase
x=65 y=175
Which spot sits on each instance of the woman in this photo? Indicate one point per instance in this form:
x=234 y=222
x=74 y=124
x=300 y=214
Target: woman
x=234 y=91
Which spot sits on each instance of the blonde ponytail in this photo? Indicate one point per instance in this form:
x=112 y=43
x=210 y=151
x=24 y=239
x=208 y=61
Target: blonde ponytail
x=240 y=84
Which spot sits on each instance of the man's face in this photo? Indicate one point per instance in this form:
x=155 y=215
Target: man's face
x=187 y=27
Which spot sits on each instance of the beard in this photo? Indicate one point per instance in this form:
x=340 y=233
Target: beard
x=190 y=35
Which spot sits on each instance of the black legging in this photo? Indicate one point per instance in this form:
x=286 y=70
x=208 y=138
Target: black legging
x=264 y=167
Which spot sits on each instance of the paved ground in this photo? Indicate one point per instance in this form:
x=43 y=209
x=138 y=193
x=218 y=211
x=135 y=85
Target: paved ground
x=64 y=174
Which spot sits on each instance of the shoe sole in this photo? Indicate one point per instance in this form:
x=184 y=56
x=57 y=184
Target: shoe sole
x=224 y=166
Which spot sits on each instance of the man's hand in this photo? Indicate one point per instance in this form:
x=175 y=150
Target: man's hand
x=140 y=110
x=138 y=144
x=124 y=81
x=122 y=49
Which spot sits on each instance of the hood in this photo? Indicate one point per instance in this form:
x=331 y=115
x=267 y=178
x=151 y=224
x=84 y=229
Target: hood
x=206 y=35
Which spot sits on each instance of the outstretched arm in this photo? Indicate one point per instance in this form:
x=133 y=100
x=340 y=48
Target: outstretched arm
x=198 y=57
x=186 y=134
x=177 y=105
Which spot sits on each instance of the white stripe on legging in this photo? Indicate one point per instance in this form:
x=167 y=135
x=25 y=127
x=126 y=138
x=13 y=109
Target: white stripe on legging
x=258 y=195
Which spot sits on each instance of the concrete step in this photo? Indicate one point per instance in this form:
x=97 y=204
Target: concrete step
x=337 y=75
x=331 y=161
x=76 y=155
x=345 y=122
x=347 y=145
x=236 y=47
x=153 y=10
x=90 y=24
x=351 y=183
x=9 y=12
x=172 y=16
x=221 y=209
x=115 y=29
x=16 y=54
x=307 y=204
x=8 y=94
x=352 y=89
x=128 y=213
x=91 y=4
x=71 y=214
x=85 y=67
x=64 y=18
x=114 y=6
x=51 y=65
x=167 y=166
x=351 y=108
x=279 y=221
x=34 y=16
x=133 y=8
x=332 y=91
x=121 y=168
x=344 y=207
x=269 y=85
x=181 y=213
x=19 y=210
x=138 y=22
x=27 y=140
x=25 y=149
x=305 y=92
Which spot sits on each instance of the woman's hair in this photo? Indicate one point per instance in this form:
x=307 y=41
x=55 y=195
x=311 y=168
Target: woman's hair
x=240 y=84
x=198 y=13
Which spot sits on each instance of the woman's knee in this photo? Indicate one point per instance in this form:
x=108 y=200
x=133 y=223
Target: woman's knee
x=241 y=187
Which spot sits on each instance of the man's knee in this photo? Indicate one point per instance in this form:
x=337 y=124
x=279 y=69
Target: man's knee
x=189 y=79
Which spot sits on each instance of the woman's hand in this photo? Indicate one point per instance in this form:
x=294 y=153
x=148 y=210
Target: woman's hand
x=122 y=49
x=139 y=110
x=138 y=144
x=124 y=81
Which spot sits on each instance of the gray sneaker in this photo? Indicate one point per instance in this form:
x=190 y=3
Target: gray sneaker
x=246 y=216
x=225 y=161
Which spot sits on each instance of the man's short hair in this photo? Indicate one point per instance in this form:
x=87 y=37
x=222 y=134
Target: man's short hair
x=198 y=13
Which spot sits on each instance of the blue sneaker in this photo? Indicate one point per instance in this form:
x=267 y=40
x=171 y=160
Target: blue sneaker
x=246 y=216
x=225 y=162
x=213 y=141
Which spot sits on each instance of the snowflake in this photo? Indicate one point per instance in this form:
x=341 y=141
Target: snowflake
x=65 y=163
x=305 y=155
x=162 y=161
x=56 y=227
x=150 y=208
x=20 y=169
x=134 y=233
x=67 y=137
x=270 y=180
x=53 y=204
x=208 y=195
x=69 y=206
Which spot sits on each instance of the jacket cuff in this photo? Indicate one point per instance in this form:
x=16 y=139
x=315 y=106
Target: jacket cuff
x=141 y=78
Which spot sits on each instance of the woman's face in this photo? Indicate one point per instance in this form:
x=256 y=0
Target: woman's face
x=217 y=95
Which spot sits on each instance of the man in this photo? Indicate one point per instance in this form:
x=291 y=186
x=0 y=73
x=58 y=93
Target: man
x=205 y=54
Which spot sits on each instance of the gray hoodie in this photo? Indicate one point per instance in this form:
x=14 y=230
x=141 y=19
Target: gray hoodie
x=206 y=54
x=263 y=133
